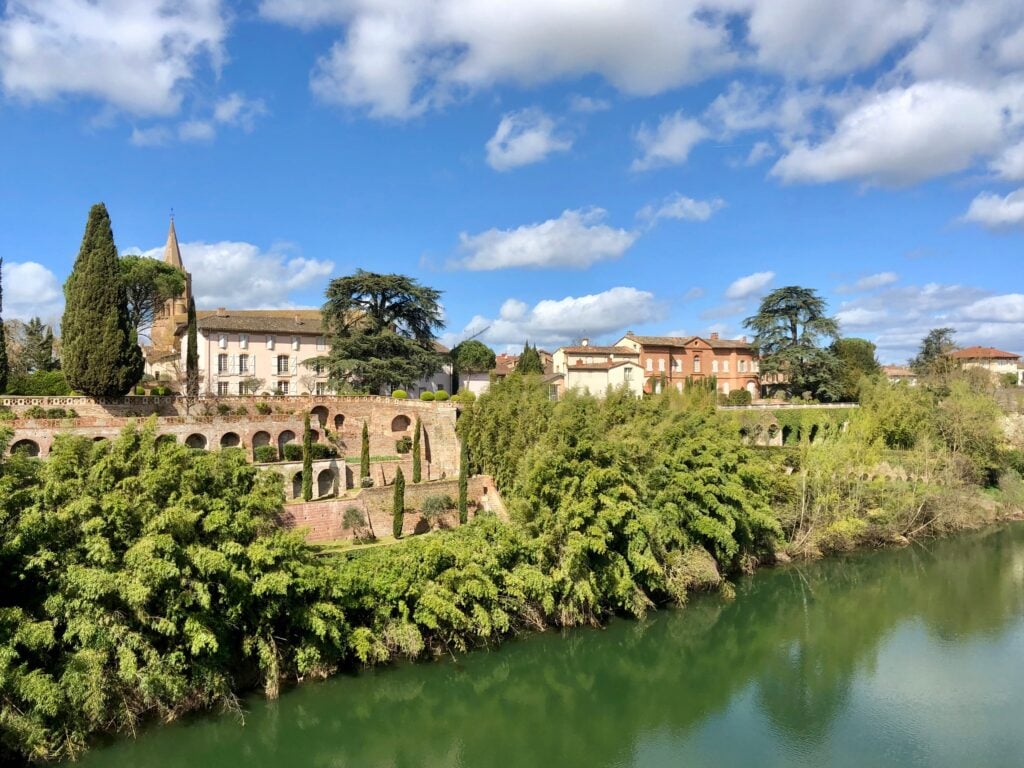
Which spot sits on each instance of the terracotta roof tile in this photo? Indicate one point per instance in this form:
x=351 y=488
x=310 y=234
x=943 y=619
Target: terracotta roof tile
x=983 y=353
x=589 y=349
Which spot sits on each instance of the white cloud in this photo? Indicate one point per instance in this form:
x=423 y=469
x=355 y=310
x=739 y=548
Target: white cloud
x=586 y=104
x=155 y=136
x=242 y=276
x=750 y=285
x=870 y=283
x=233 y=110
x=31 y=290
x=668 y=144
x=761 y=150
x=558 y=321
x=1010 y=164
x=677 y=206
x=996 y=212
x=524 y=137
x=858 y=317
x=905 y=135
x=239 y=110
x=1008 y=308
x=196 y=130
x=576 y=239
x=398 y=59
x=133 y=54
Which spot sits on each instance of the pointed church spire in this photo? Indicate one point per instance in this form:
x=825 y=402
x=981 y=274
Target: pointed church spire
x=172 y=255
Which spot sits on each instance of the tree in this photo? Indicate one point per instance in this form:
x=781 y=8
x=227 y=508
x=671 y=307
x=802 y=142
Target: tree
x=417 y=469
x=933 y=356
x=856 y=360
x=192 y=353
x=788 y=327
x=529 y=361
x=364 y=455
x=472 y=357
x=382 y=330
x=398 y=507
x=307 y=460
x=38 y=346
x=148 y=285
x=100 y=353
x=464 y=483
x=3 y=339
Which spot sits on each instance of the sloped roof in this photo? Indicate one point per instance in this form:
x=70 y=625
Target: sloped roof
x=602 y=366
x=589 y=349
x=897 y=370
x=302 y=321
x=983 y=353
x=682 y=341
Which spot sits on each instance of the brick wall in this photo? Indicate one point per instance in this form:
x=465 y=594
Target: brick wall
x=323 y=520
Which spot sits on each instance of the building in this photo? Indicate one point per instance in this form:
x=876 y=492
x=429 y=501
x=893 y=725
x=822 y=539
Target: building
x=897 y=373
x=671 y=361
x=592 y=368
x=995 y=361
x=247 y=351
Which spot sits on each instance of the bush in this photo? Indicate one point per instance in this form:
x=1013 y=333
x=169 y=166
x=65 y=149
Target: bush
x=140 y=391
x=292 y=452
x=441 y=395
x=39 y=384
x=739 y=397
x=427 y=396
x=35 y=412
x=265 y=454
x=465 y=396
x=435 y=507
x=403 y=445
x=400 y=394
x=366 y=482
x=263 y=409
x=223 y=409
x=321 y=451
x=241 y=411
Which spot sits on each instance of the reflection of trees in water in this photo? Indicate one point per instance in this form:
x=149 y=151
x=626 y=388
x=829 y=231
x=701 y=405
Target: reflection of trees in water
x=798 y=634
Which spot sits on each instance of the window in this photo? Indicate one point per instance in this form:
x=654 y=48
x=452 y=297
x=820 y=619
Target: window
x=319 y=368
x=661 y=364
x=714 y=366
x=243 y=363
x=741 y=366
x=676 y=364
x=321 y=344
x=696 y=363
x=295 y=343
x=243 y=388
x=627 y=373
x=222 y=341
x=270 y=342
x=243 y=340
x=222 y=364
x=725 y=368
x=282 y=387
x=321 y=388
x=650 y=364
x=222 y=388
x=283 y=367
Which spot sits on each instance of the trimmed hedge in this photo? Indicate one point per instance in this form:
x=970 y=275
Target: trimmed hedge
x=400 y=394
x=265 y=453
x=441 y=395
x=427 y=396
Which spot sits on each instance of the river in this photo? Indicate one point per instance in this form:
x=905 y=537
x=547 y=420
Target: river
x=910 y=657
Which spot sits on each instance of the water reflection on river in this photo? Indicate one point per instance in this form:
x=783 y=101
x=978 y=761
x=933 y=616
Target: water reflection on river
x=893 y=658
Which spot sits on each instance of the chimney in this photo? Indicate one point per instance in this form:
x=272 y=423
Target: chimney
x=714 y=336
x=585 y=343
x=222 y=312
x=743 y=339
x=298 y=320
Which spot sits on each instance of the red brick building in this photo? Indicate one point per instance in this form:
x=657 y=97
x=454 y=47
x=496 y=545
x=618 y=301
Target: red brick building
x=672 y=360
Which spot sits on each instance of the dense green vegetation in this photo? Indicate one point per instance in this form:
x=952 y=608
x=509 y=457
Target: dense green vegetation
x=148 y=284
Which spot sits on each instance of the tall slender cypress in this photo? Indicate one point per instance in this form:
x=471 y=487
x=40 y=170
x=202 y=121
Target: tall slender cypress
x=417 y=469
x=192 y=352
x=3 y=337
x=307 y=460
x=364 y=455
x=100 y=354
x=398 y=509
x=464 y=483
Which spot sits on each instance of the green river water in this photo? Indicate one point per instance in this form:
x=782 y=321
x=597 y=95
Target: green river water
x=911 y=657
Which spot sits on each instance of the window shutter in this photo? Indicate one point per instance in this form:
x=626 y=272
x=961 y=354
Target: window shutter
x=293 y=361
x=270 y=342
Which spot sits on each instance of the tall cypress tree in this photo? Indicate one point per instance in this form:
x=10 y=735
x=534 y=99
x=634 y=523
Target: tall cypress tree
x=100 y=354
x=417 y=468
x=364 y=455
x=3 y=337
x=464 y=483
x=307 y=460
x=192 y=352
x=398 y=509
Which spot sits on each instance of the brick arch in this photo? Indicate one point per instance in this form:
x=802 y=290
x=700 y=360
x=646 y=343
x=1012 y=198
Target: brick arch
x=325 y=482
x=339 y=421
x=196 y=441
x=230 y=440
x=401 y=423
x=285 y=437
x=320 y=413
x=29 y=447
x=297 y=485
x=260 y=438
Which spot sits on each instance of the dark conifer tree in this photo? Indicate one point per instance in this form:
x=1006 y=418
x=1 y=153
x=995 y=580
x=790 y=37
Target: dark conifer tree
x=307 y=460
x=417 y=468
x=364 y=455
x=100 y=353
x=398 y=510
x=464 y=483
x=192 y=352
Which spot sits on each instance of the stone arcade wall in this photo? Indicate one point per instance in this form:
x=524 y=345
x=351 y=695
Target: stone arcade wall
x=323 y=520
x=387 y=419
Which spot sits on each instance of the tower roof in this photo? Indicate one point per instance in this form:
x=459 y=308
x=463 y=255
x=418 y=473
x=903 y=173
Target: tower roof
x=172 y=254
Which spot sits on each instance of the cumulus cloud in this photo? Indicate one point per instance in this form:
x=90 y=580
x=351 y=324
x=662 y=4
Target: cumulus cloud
x=557 y=321
x=576 y=239
x=31 y=290
x=997 y=212
x=749 y=285
x=668 y=144
x=243 y=276
x=524 y=137
x=905 y=135
x=677 y=206
x=136 y=55
x=233 y=110
x=1008 y=308
x=585 y=104
x=869 y=283
x=1010 y=164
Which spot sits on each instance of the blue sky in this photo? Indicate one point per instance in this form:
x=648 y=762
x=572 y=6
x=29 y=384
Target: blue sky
x=560 y=168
